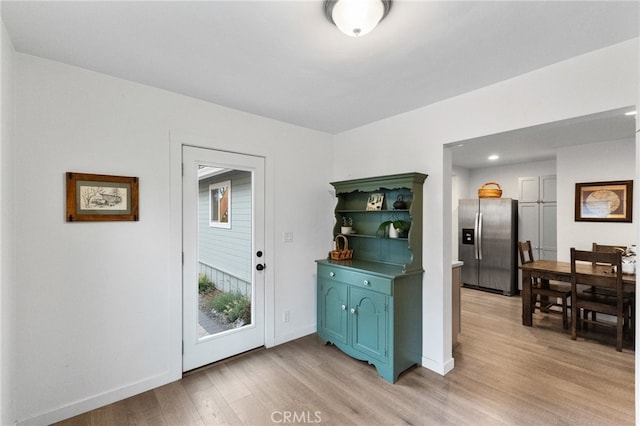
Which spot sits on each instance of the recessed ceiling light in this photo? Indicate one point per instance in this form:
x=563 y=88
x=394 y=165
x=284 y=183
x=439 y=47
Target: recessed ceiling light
x=630 y=113
x=493 y=157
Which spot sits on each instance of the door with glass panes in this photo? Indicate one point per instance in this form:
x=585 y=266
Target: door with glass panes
x=223 y=240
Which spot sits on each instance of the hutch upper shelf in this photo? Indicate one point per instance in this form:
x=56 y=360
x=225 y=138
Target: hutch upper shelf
x=367 y=241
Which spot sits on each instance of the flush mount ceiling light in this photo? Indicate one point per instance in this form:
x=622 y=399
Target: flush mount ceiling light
x=356 y=17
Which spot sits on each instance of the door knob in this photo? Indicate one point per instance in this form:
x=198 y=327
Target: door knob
x=260 y=266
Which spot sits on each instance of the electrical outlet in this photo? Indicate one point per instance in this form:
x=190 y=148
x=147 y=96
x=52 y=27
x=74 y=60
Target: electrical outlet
x=286 y=316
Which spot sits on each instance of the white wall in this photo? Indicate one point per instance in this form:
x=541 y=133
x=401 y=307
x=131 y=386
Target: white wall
x=507 y=176
x=599 y=81
x=606 y=161
x=98 y=305
x=7 y=322
x=459 y=190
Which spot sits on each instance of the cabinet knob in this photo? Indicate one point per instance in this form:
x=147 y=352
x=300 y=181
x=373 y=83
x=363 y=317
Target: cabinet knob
x=332 y=274
x=353 y=310
x=366 y=282
x=344 y=307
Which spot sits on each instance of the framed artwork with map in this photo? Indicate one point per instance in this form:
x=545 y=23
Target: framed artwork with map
x=604 y=201
x=98 y=198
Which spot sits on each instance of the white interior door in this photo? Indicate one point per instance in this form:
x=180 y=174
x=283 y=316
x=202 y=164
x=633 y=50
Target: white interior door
x=223 y=243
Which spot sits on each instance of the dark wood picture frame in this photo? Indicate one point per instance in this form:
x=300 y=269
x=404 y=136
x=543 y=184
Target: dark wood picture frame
x=101 y=198
x=610 y=201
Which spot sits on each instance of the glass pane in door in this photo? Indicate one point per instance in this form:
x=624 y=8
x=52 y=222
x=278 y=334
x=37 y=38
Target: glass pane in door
x=225 y=257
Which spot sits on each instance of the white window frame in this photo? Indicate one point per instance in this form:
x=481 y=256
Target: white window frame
x=215 y=188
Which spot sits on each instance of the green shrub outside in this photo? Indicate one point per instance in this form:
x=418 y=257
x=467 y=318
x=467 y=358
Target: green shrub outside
x=233 y=306
x=204 y=284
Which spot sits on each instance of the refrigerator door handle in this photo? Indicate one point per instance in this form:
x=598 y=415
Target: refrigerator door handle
x=479 y=237
x=476 y=235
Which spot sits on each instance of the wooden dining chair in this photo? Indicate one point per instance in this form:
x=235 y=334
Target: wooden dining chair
x=593 y=302
x=606 y=248
x=545 y=295
x=610 y=293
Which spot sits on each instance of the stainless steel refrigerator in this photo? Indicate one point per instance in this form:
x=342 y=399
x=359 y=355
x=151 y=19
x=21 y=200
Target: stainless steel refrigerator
x=488 y=246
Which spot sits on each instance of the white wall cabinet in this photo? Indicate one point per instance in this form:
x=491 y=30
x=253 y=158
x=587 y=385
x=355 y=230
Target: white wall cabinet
x=537 y=211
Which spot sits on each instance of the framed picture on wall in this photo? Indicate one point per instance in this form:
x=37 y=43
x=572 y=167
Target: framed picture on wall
x=98 y=198
x=604 y=201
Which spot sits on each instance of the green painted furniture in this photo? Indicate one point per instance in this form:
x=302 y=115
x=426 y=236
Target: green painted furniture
x=370 y=307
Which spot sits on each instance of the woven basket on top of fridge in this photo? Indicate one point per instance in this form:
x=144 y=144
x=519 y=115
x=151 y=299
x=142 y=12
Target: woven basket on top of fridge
x=484 y=192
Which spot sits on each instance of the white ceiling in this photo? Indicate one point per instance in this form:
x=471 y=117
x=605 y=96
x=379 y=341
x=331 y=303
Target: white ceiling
x=284 y=60
x=540 y=143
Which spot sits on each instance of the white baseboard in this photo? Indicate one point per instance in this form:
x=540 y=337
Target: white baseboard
x=100 y=400
x=293 y=336
x=441 y=368
x=109 y=397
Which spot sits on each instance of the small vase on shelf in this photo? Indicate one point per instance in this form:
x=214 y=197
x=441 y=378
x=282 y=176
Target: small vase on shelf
x=347 y=223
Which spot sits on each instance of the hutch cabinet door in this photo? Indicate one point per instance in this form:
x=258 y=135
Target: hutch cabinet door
x=333 y=311
x=369 y=323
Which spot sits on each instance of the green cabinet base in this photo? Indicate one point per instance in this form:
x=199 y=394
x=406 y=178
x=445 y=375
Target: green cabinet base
x=387 y=372
x=372 y=313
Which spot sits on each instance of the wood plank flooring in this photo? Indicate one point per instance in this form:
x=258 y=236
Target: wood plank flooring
x=505 y=374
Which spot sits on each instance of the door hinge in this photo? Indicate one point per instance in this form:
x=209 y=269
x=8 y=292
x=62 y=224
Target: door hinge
x=183 y=347
x=183 y=258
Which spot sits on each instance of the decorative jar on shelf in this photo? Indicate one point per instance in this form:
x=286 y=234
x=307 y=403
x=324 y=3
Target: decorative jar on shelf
x=399 y=204
x=347 y=224
x=397 y=228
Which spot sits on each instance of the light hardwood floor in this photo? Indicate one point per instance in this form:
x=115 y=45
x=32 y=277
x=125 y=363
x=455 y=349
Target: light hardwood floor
x=505 y=374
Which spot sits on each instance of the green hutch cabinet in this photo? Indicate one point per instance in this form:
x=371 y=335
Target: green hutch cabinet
x=370 y=306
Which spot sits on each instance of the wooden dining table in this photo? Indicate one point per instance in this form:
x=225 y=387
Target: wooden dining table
x=560 y=271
